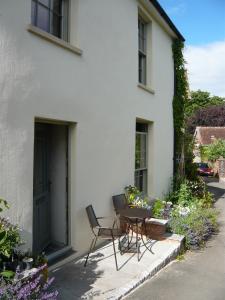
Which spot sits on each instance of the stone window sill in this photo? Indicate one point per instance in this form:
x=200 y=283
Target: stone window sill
x=53 y=39
x=146 y=88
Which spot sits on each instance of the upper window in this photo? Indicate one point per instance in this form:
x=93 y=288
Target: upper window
x=51 y=16
x=142 y=54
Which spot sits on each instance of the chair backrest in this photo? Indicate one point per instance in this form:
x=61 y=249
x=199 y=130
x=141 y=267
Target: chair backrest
x=92 y=217
x=119 y=202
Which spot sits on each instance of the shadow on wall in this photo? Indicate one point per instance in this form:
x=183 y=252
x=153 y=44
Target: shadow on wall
x=74 y=281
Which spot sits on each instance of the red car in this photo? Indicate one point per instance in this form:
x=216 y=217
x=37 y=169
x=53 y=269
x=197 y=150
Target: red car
x=204 y=170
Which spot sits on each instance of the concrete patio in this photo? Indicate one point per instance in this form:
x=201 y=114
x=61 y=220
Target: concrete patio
x=100 y=280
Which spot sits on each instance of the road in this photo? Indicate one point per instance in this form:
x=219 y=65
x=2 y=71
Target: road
x=201 y=275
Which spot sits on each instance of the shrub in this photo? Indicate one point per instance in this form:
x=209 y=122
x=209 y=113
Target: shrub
x=13 y=286
x=189 y=192
x=11 y=238
x=9 y=234
x=191 y=215
x=162 y=209
x=197 y=226
x=35 y=287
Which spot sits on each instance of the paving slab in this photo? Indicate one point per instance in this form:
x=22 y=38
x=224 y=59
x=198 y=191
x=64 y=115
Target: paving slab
x=100 y=280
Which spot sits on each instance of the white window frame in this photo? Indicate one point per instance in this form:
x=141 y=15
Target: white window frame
x=64 y=15
x=142 y=51
x=142 y=171
x=146 y=81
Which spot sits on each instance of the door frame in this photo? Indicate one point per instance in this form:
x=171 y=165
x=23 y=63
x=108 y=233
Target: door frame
x=69 y=126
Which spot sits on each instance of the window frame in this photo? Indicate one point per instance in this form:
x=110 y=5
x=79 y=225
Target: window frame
x=142 y=171
x=142 y=51
x=63 y=17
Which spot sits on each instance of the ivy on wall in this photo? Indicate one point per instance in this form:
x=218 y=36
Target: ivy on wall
x=179 y=100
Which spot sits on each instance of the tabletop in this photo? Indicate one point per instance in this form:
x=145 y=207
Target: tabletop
x=136 y=213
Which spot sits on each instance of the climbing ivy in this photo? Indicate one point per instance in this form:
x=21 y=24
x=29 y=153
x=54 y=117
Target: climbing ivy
x=179 y=100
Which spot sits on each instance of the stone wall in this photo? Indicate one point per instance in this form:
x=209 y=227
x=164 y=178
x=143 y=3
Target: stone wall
x=221 y=167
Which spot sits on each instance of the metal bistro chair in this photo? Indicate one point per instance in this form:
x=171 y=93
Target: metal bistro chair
x=107 y=233
x=120 y=203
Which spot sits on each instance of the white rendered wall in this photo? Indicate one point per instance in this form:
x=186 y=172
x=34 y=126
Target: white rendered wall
x=98 y=91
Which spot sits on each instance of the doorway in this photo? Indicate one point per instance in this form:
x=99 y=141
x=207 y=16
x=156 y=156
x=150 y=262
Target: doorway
x=50 y=188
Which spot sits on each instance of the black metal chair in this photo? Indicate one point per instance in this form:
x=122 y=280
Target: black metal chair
x=119 y=202
x=108 y=233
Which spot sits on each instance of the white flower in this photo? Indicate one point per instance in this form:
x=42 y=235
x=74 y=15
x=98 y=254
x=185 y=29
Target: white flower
x=184 y=211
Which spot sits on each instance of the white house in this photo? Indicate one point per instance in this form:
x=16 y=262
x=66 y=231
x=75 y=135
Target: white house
x=81 y=83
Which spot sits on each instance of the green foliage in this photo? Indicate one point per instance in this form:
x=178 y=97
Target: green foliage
x=191 y=193
x=159 y=205
x=215 y=150
x=180 y=257
x=190 y=167
x=9 y=234
x=200 y=99
x=3 y=204
x=184 y=195
x=136 y=198
x=190 y=212
x=204 y=153
x=197 y=226
x=11 y=238
x=179 y=100
x=8 y=274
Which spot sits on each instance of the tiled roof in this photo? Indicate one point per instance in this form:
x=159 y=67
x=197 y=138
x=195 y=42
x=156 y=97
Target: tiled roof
x=206 y=135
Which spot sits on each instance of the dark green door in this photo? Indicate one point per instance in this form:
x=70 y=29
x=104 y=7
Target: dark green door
x=41 y=191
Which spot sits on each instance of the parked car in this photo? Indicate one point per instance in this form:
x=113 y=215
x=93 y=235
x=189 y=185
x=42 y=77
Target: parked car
x=203 y=169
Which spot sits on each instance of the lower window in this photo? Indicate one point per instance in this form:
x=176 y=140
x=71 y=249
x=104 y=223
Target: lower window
x=141 y=170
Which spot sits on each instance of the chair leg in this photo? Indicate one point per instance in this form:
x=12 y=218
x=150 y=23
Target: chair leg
x=132 y=233
x=114 y=248
x=136 y=234
x=93 y=242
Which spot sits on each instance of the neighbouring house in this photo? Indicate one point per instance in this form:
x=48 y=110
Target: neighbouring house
x=86 y=109
x=205 y=136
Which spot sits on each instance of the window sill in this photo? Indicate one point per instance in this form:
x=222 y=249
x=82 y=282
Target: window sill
x=53 y=39
x=146 y=88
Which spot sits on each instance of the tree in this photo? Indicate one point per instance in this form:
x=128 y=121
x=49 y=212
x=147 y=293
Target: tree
x=209 y=116
x=215 y=150
x=201 y=99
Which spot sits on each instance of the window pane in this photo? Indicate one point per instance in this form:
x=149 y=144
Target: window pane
x=51 y=16
x=141 y=180
x=142 y=68
x=143 y=79
x=57 y=6
x=143 y=158
x=141 y=151
x=141 y=127
x=43 y=18
x=138 y=152
x=142 y=36
x=45 y=2
x=56 y=25
x=33 y=13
